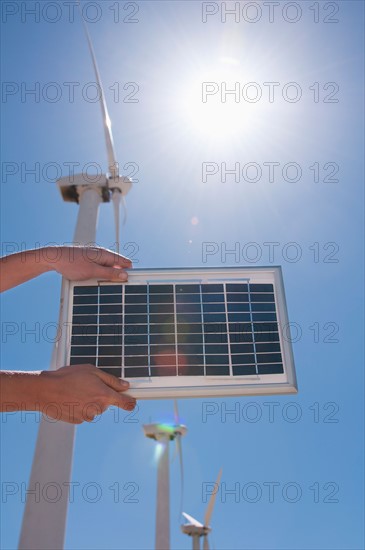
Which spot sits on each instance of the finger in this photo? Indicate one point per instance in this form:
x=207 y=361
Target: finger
x=88 y=418
x=91 y=410
x=112 y=259
x=123 y=401
x=109 y=273
x=90 y=415
x=113 y=382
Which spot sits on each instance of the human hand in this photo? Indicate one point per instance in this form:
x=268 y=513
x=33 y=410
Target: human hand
x=76 y=263
x=78 y=393
x=79 y=263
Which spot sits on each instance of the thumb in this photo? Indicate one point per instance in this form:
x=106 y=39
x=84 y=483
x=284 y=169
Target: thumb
x=112 y=381
x=109 y=273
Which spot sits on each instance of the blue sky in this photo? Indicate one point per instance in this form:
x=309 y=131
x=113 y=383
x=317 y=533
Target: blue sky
x=170 y=135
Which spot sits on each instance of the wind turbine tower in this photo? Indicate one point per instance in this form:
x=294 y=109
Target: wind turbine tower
x=163 y=434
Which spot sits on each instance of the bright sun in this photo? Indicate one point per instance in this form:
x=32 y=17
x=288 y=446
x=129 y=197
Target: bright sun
x=208 y=106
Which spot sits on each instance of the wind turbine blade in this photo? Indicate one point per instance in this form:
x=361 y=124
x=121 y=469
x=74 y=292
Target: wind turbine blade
x=124 y=210
x=179 y=449
x=176 y=412
x=206 y=543
x=208 y=513
x=192 y=520
x=112 y=164
x=176 y=422
x=116 y=198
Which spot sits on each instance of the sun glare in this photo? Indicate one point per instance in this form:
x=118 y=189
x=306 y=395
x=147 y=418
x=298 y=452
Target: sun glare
x=213 y=106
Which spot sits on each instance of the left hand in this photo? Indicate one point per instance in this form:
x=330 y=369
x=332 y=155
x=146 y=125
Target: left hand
x=78 y=263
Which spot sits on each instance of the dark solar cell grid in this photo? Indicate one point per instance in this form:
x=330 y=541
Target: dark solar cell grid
x=182 y=329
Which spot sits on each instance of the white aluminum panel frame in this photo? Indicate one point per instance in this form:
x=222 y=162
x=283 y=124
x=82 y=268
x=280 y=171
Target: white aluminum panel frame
x=169 y=387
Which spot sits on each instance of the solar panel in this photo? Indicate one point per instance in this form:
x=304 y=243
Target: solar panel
x=185 y=332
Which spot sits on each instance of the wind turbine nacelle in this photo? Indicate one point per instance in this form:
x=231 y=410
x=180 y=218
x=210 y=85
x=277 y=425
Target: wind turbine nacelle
x=163 y=431
x=193 y=530
x=71 y=186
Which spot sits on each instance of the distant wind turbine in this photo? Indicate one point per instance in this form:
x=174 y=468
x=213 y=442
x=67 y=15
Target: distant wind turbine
x=163 y=434
x=194 y=528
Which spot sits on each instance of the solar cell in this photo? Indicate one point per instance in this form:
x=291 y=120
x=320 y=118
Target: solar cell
x=219 y=333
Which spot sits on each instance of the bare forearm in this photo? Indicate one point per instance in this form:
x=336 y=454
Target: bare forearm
x=71 y=394
x=76 y=263
x=20 y=391
x=21 y=267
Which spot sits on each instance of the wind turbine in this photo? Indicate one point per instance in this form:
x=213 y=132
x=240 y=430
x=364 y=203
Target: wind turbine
x=194 y=528
x=163 y=434
x=110 y=185
x=44 y=523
